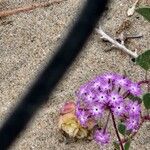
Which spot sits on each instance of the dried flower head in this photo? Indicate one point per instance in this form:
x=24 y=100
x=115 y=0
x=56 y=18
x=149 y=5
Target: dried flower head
x=70 y=124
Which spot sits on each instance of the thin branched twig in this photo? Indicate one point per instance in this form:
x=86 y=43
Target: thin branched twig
x=6 y=13
x=131 y=10
x=115 y=44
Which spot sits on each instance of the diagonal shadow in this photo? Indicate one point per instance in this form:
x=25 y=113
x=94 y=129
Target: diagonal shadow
x=39 y=93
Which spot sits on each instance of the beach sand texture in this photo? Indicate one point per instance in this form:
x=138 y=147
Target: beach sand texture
x=28 y=41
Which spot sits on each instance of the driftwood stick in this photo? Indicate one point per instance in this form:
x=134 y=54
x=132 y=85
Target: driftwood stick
x=6 y=13
x=115 y=43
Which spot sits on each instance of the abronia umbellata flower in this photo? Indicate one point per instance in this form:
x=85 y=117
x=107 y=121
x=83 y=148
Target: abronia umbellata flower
x=108 y=92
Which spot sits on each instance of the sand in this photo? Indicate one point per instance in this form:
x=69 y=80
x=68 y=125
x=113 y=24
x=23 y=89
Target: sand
x=28 y=40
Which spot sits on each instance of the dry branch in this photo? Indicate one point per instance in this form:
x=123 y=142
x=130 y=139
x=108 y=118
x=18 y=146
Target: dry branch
x=131 y=10
x=6 y=13
x=115 y=43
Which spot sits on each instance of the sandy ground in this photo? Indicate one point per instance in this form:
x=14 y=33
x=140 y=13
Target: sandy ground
x=27 y=41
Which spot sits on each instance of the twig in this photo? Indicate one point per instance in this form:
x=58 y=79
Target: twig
x=116 y=130
x=115 y=43
x=131 y=10
x=122 y=38
x=134 y=36
x=6 y=13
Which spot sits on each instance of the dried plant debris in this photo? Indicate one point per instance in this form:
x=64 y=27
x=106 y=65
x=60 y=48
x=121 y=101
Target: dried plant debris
x=123 y=27
x=6 y=22
x=115 y=43
x=70 y=126
x=121 y=37
x=6 y=13
x=131 y=10
x=121 y=33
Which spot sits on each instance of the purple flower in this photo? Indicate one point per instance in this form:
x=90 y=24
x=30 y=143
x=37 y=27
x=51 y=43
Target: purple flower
x=96 y=110
x=114 y=99
x=101 y=137
x=109 y=77
x=82 y=116
x=96 y=83
x=106 y=86
x=122 y=81
x=133 y=108
x=108 y=92
x=89 y=97
x=119 y=109
x=135 y=89
x=102 y=97
x=82 y=91
x=132 y=124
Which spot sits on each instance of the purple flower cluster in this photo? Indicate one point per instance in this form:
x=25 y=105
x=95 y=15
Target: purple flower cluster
x=108 y=92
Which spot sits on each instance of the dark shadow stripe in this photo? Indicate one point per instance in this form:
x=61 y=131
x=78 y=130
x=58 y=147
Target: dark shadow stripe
x=38 y=94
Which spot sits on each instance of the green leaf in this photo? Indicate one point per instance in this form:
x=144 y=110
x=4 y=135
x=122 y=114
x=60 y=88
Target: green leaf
x=146 y=100
x=144 y=60
x=122 y=128
x=127 y=145
x=145 y=12
x=116 y=146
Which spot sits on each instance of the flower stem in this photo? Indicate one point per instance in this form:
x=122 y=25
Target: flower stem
x=116 y=130
x=146 y=118
x=107 y=121
x=148 y=84
x=144 y=82
x=126 y=94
